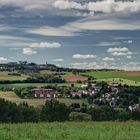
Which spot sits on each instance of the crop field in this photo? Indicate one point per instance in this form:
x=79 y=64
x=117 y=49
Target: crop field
x=4 y=76
x=10 y=96
x=75 y=78
x=121 y=81
x=71 y=131
x=134 y=73
x=111 y=74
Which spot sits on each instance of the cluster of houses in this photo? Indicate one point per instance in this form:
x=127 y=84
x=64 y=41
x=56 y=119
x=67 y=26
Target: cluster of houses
x=74 y=93
x=109 y=98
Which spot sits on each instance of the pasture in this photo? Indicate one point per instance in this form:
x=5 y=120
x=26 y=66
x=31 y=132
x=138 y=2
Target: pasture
x=105 y=75
x=10 y=96
x=71 y=131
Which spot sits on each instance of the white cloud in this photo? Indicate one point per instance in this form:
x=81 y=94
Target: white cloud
x=104 y=6
x=110 y=6
x=65 y=4
x=45 y=45
x=112 y=50
x=133 y=63
x=83 y=56
x=58 y=60
x=129 y=41
x=83 y=65
x=91 y=23
x=2 y=59
x=104 y=44
x=108 y=59
x=129 y=57
x=28 y=51
x=52 y=31
x=120 y=51
x=131 y=66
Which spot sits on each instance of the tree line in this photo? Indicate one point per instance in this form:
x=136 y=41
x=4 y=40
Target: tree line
x=56 y=111
x=36 y=79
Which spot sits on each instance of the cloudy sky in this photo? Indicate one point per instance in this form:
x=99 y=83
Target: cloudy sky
x=71 y=33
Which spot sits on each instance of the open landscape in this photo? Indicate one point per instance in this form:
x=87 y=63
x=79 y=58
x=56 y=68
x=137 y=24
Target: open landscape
x=69 y=69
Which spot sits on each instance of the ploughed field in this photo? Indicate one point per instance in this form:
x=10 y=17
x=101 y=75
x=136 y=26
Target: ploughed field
x=75 y=78
x=134 y=73
x=71 y=131
x=5 y=75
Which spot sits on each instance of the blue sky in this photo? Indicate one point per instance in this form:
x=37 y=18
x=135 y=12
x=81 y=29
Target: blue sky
x=71 y=33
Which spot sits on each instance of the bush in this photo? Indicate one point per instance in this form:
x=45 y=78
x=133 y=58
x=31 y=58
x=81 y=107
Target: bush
x=78 y=116
x=103 y=113
x=122 y=115
x=136 y=114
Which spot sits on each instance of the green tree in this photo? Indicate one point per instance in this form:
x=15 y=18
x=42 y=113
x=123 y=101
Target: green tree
x=54 y=111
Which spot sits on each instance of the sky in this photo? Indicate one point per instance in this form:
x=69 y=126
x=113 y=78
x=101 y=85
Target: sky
x=87 y=34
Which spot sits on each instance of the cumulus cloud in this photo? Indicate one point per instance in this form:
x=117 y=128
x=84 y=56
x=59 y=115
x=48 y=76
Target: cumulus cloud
x=111 y=50
x=28 y=51
x=2 y=59
x=58 y=60
x=131 y=66
x=104 y=6
x=84 y=65
x=83 y=56
x=108 y=59
x=120 y=51
x=65 y=4
x=45 y=45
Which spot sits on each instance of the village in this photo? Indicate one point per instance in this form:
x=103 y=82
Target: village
x=110 y=97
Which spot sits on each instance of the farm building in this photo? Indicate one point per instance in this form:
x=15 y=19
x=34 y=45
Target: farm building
x=44 y=93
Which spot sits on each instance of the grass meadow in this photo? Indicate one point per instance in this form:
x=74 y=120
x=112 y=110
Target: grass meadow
x=71 y=131
x=22 y=85
x=105 y=75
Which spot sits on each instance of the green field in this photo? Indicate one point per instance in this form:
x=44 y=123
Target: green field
x=36 y=85
x=71 y=131
x=105 y=75
x=121 y=81
x=10 y=96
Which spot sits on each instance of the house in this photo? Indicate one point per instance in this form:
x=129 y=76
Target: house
x=134 y=107
x=44 y=93
x=89 y=92
x=76 y=95
x=84 y=86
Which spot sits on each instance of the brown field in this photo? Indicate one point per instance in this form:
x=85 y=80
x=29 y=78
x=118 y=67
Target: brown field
x=4 y=75
x=129 y=73
x=75 y=78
